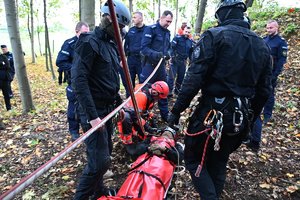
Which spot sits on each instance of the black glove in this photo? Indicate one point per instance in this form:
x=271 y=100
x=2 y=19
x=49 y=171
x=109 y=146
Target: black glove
x=60 y=77
x=173 y=120
x=167 y=57
x=160 y=55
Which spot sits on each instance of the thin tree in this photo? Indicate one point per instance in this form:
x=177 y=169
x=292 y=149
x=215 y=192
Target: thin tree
x=176 y=19
x=249 y=3
x=87 y=12
x=130 y=6
x=32 y=33
x=159 y=9
x=39 y=30
x=14 y=35
x=47 y=44
x=153 y=4
x=200 y=16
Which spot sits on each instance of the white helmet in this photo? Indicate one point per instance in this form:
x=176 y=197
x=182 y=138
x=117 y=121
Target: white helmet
x=122 y=12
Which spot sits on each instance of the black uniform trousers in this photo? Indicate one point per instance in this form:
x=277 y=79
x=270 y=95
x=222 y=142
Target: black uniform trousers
x=99 y=148
x=4 y=86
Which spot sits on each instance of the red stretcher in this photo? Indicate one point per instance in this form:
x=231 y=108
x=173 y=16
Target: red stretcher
x=149 y=178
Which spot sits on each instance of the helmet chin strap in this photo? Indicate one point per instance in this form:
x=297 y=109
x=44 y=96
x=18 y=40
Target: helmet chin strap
x=227 y=14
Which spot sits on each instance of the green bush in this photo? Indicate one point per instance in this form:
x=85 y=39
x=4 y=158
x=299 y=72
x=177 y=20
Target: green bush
x=290 y=28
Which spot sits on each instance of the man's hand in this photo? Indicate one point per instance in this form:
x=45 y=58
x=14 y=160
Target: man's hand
x=95 y=122
x=173 y=121
x=157 y=149
x=167 y=57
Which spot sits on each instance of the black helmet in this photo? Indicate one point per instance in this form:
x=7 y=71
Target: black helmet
x=122 y=12
x=229 y=4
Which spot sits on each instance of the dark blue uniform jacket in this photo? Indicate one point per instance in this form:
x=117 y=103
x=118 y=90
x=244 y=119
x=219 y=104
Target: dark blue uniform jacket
x=279 y=49
x=156 y=40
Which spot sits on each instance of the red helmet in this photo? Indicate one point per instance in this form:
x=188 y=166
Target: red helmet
x=162 y=88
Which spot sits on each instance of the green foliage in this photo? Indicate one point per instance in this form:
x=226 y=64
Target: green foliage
x=208 y=24
x=259 y=16
x=32 y=143
x=146 y=8
x=290 y=28
x=55 y=190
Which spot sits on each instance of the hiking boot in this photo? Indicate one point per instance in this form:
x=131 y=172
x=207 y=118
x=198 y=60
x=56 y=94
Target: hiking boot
x=254 y=146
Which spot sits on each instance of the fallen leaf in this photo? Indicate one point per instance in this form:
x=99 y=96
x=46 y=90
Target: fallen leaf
x=292 y=189
x=265 y=186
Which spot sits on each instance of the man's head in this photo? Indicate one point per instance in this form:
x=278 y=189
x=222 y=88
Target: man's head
x=122 y=13
x=159 y=90
x=81 y=27
x=230 y=9
x=187 y=31
x=4 y=48
x=183 y=25
x=166 y=19
x=272 y=27
x=137 y=19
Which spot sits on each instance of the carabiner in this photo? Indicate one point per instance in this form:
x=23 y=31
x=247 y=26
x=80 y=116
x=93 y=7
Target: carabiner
x=209 y=118
x=239 y=123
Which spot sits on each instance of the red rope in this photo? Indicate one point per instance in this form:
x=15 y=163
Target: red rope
x=200 y=166
x=195 y=134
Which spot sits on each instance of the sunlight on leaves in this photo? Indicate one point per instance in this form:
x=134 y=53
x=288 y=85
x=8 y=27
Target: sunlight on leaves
x=29 y=195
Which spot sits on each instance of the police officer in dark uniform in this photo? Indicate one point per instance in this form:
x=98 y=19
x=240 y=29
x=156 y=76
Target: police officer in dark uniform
x=156 y=45
x=279 y=50
x=132 y=47
x=5 y=80
x=64 y=63
x=96 y=82
x=181 y=50
x=65 y=55
x=232 y=67
x=12 y=72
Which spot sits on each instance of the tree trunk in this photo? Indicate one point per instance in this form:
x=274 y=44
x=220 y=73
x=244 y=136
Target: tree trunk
x=130 y=6
x=249 y=3
x=200 y=16
x=14 y=35
x=87 y=12
x=176 y=19
x=159 y=4
x=153 y=4
x=38 y=31
x=32 y=33
x=47 y=43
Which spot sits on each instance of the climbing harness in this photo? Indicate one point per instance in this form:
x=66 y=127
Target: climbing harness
x=214 y=123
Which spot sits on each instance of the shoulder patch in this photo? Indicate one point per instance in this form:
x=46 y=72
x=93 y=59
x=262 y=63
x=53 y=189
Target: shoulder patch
x=71 y=41
x=196 y=53
x=282 y=38
x=65 y=52
x=148 y=35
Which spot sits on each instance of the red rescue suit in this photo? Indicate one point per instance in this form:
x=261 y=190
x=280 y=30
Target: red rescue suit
x=150 y=176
